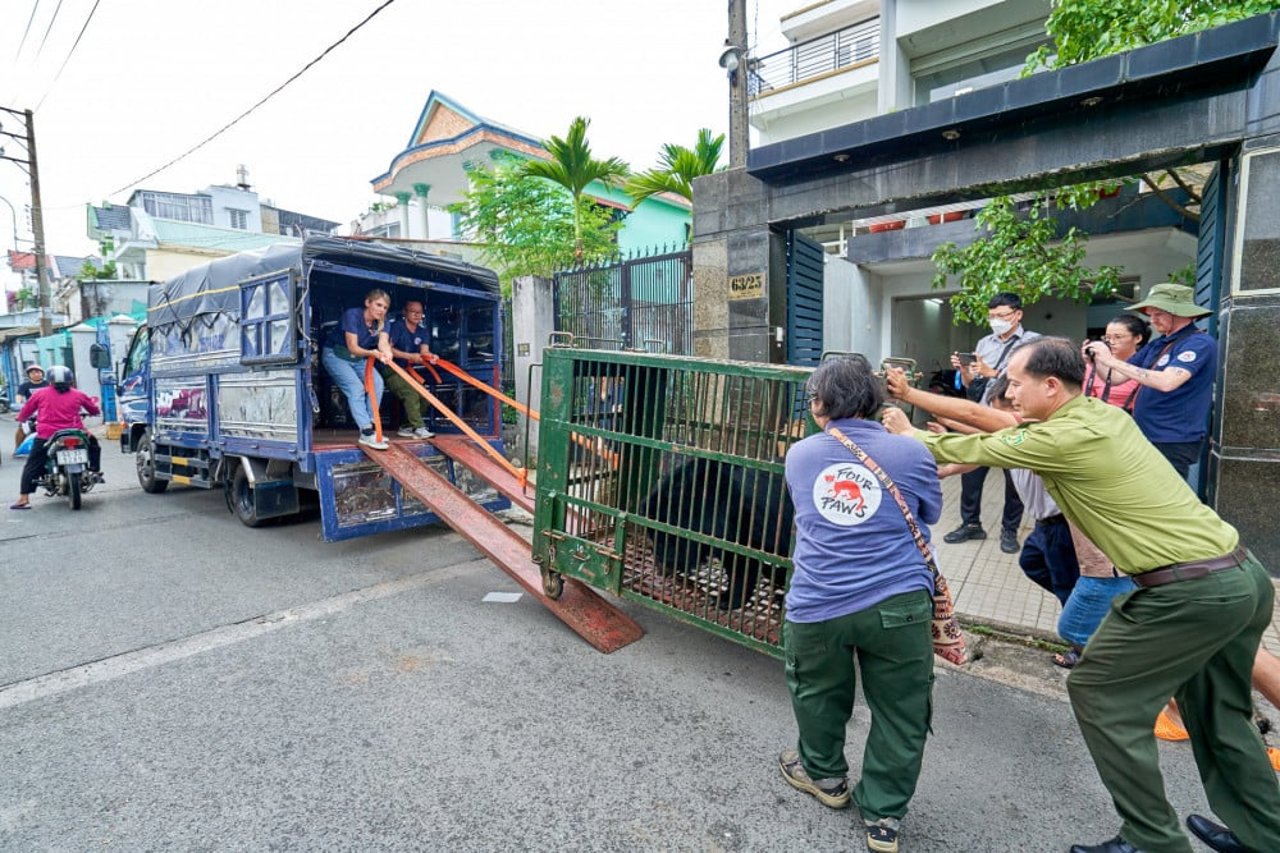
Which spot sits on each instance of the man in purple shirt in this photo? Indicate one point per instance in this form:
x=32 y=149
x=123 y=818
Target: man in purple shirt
x=860 y=587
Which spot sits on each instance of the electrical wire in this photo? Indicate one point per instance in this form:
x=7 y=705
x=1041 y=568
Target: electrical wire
x=34 y=7
x=69 y=53
x=49 y=28
x=269 y=96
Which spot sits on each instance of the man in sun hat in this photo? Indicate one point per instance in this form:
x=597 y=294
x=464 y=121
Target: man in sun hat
x=1175 y=374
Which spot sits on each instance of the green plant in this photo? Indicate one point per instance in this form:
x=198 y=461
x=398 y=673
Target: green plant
x=573 y=167
x=677 y=167
x=525 y=226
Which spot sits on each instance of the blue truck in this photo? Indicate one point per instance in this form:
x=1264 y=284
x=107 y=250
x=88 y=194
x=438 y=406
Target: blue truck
x=222 y=387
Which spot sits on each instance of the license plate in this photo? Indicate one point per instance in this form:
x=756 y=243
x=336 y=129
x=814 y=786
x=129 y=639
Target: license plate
x=71 y=457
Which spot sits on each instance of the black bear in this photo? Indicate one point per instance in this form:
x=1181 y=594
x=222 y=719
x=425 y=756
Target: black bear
x=731 y=502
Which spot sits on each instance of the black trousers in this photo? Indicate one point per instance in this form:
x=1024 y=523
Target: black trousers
x=1181 y=454
x=971 y=500
x=34 y=469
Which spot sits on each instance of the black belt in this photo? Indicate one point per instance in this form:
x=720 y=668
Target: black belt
x=1052 y=519
x=1191 y=571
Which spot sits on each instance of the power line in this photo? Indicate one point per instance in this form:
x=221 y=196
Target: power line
x=69 y=53
x=49 y=29
x=30 y=21
x=269 y=96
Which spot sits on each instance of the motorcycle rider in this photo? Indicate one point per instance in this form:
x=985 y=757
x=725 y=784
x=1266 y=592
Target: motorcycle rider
x=56 y=407
x=34 y=382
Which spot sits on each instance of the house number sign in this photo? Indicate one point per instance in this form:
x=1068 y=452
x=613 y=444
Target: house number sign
x=749 y=286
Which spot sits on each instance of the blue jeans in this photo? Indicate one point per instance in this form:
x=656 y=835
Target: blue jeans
x=1089 y=602
x=1049 y=557
x=349 y=376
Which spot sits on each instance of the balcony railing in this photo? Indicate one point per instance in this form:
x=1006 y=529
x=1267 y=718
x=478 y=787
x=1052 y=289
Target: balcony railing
x=812 y=58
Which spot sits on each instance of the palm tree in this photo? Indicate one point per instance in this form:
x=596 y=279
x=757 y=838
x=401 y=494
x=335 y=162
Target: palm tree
x=677 y=168
x=572 y=167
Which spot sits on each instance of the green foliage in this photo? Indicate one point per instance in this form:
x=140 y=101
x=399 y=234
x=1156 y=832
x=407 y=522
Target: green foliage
x=526 y=226
x=677 y=167
x=1023 y=253
x=89 y=272
x=1186 y=275
x=1081 y=30
x=573 y=167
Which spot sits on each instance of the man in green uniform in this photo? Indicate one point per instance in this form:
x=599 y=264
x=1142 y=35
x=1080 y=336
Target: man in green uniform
x=1190 y=630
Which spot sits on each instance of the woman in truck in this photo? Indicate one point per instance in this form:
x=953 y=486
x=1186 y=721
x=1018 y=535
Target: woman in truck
x=361 y=334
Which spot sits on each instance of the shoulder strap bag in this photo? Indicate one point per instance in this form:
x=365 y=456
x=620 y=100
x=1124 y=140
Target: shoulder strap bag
x=948 y=641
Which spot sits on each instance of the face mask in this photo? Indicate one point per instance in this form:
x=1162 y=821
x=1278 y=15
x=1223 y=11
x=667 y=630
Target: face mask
x=1001 y=327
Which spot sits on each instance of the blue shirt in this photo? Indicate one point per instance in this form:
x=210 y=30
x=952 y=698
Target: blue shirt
x=353 y=322
x=407 y=341
x=1180 y=415
x=853 y=546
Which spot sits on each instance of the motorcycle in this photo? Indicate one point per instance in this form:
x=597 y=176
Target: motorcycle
x=4 y=401
x=67 y=469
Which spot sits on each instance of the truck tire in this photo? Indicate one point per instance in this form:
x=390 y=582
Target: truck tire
x=146 y=460
x=240 y=500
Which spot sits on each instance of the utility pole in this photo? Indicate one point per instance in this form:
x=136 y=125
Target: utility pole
x=37 y=212
x=738 y=86
x=37 y=229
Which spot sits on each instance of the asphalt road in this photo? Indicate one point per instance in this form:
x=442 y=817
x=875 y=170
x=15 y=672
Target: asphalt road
x=170 y=680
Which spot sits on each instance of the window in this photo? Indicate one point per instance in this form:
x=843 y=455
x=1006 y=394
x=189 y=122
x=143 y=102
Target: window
x=239 y=218
x=268 y=334
x=182 y=208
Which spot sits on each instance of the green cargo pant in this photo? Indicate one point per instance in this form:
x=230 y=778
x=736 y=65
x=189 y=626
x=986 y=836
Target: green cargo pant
x=1194 y=640
x=412 y=400
x=894 y=650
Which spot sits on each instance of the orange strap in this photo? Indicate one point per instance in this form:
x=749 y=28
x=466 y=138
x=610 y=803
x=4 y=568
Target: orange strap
x=373 y=398
x=521 y=474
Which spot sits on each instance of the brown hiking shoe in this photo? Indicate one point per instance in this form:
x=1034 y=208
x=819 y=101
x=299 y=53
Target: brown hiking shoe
x=832 y=793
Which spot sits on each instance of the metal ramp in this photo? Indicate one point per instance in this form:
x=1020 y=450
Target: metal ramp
x=465 y=451
x=594 y=619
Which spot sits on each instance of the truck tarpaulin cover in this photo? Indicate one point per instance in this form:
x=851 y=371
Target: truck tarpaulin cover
x=213 y=288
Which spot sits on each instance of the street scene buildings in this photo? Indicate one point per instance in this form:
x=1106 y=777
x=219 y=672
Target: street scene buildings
x=514 y=495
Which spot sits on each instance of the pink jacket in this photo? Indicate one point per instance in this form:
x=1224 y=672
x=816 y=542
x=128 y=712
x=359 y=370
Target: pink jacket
x=56 y=411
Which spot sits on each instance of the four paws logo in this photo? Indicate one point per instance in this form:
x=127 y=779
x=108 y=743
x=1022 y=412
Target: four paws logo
x=846 y=494
x=1014 y=439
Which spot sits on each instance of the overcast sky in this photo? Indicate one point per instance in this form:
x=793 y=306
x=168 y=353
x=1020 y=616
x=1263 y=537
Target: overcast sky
x=150 y=79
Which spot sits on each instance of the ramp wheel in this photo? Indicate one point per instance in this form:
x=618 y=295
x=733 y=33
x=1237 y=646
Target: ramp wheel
x=552 y=584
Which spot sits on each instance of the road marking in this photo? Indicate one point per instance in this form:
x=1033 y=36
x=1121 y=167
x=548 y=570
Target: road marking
x=108 y=668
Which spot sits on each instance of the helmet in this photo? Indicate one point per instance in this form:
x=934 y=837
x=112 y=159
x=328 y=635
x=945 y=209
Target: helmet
x=33 y=366
x=61 y=377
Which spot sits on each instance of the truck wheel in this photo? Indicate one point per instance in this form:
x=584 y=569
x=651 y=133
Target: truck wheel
x=73 y=489
x=240 y=500
x=147 y=467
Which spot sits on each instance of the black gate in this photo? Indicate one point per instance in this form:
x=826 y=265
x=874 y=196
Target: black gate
x=637 y=303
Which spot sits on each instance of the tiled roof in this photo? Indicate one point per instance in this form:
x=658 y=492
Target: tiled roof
x=65 y=266
x=213 y=238
x=114 y=218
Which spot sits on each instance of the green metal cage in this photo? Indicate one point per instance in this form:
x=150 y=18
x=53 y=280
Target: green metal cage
x=660 y=479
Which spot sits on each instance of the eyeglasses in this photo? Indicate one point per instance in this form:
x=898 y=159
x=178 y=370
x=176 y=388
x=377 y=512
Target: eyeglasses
x=1007 y=315
x=810 y=397
x=1111 y=339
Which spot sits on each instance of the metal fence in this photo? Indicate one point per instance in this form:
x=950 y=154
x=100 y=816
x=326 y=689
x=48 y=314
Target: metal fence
x=811 y=58
x=638 y=303
x=660 y=479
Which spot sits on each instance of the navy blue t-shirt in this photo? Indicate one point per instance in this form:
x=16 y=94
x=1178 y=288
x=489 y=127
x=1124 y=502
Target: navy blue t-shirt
x=353 y=321
x=408 y=341
x=1180 y=415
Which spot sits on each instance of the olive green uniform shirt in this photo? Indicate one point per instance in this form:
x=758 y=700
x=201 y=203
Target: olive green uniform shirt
x=1107 y=479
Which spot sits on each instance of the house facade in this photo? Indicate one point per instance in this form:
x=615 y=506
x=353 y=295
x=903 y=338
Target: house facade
x=853 y=60
x=430 y=174
x=159 y=234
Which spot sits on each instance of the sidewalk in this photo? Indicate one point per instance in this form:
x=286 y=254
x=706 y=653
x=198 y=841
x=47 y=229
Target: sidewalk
x=988 y=585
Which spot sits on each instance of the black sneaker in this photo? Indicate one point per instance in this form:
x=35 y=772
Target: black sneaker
x=964 y=533
x=1009 y=541
x=832 y=793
